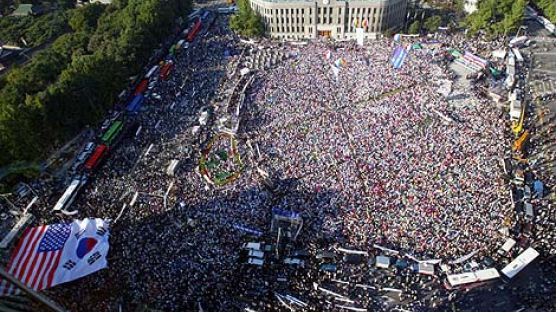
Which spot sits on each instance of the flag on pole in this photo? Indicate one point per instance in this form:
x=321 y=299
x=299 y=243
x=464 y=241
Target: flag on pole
x=355 y=23
x=399 y=57
x=49 y=255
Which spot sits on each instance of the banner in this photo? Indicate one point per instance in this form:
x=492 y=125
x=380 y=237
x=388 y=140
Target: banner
x=286 y=213
x=248 y=230
x=399 y=57
x=359 y=36
x=49 y=255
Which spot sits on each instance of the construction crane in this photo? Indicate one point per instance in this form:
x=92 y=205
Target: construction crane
x=520 y=142
x=517 y=127
x=520 y=159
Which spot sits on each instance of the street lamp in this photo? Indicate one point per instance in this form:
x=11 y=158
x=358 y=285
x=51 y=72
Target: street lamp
x=5 y=196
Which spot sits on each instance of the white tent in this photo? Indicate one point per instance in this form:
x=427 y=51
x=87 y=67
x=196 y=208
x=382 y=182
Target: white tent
x=382 y=262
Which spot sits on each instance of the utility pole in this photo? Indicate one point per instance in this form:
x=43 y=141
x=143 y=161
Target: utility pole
x=5 y=196
x=33 y=294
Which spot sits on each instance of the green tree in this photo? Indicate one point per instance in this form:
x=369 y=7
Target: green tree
x=85 y=18
x=247 y=22
x=548 y=8
x=415 y=27
x=66 y=4
x=432 y=23
x=75 y=80
x=496 y=17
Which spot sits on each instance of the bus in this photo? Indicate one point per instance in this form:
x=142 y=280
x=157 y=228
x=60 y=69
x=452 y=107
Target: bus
x=519 y=263
x=151 y=72
x=135 y=104
x=69 y=195
x=112 y=132
x=194 y=30
x=546 y=24
x=141 y=87
x=471 y=279
x=96 y=157
x=165 y=70
x=205 y=15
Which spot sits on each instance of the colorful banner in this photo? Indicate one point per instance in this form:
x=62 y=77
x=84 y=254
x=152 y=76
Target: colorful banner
x=399 y=57
x=215 y=166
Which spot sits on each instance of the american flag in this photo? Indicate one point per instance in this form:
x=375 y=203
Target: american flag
x=36 y=257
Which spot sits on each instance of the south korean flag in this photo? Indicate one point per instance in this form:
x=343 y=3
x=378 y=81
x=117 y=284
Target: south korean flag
x=85 y=251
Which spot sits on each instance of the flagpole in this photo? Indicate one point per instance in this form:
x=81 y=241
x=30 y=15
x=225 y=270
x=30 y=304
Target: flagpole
x=38 y=297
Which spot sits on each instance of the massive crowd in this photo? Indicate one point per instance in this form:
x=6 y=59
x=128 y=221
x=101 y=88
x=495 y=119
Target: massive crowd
x=368 y=155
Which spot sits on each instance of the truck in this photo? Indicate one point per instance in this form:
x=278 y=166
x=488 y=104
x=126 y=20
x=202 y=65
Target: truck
x=515 y=109
x=518 y=42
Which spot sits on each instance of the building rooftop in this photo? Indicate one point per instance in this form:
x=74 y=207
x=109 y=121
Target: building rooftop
x=26 y=9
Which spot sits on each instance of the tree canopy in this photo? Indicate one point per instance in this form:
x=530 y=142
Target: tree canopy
x=34 y=30
x=415 y=27
x=432 y=23
x=75 y=80
x=497 y=17
x=548 y=7
x=247 y=22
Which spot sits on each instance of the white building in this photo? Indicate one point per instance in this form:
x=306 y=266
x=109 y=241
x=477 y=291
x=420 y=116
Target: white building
x=338 y=19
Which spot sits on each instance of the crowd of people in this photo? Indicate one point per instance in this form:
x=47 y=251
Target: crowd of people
x=399 y=175
x=367 y=154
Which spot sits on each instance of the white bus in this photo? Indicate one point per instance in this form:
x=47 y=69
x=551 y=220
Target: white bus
x=458 y=280
x=151 y=72
x=547 y=24
x=69 y=195
x=469 y=278
x=519 y=263
x=487 y=274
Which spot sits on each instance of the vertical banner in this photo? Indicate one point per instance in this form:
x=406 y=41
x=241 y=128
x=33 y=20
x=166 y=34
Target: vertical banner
x=359 y=36
x=399 y=57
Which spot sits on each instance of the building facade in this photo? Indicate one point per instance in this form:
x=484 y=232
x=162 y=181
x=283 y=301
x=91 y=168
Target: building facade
x=298 y=19
x=470 y=6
